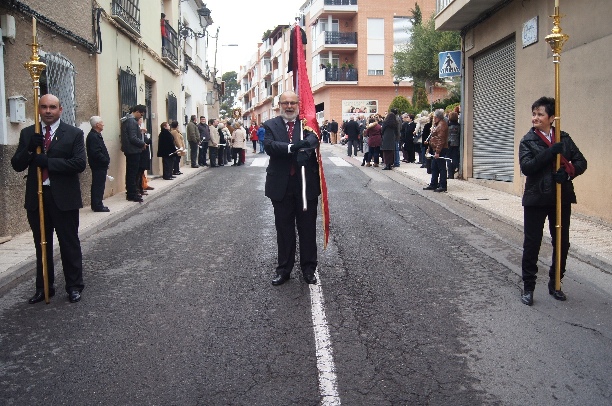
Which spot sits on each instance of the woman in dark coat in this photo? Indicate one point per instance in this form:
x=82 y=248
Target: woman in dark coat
x=165 y=147
x=390 y=136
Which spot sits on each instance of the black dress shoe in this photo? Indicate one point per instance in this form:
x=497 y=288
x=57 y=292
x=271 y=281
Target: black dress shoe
x=557 y=294
x=279 y=280
x=310 y=279
x=74 y=296
x=168 y=178
x=101 y=209
x=440 y=189
x=429 y=187
x=196 y=166
x=527 y=297
x=39 y=296
x=178 y=173
x=135 y=199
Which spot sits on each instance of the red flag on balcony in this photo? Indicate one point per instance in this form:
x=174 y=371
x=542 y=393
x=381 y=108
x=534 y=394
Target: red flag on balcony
x=308 y=115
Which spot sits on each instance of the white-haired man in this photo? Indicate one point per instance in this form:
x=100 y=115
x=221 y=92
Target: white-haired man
x=99 y=160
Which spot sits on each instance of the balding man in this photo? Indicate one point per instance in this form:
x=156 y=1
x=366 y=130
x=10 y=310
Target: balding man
x=288 y=153
x=61 y=161
x=99 y=159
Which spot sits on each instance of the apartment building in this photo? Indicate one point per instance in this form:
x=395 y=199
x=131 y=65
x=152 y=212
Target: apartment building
x=508 y=64
x=349 y=52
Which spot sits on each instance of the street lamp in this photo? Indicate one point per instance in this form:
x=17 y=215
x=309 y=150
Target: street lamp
x=396 y=83
x=205 y=21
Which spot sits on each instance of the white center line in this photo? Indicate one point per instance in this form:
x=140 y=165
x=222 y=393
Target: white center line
x=328 y=386
x=260 y=162
x=339 y=161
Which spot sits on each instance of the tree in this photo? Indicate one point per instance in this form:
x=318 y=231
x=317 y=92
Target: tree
x=419 y=58
x=228 y=100
x=401 y=104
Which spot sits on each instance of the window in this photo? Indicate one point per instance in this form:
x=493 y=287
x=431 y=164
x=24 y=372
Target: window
x=58 y=79
x=127 y=91
x=324 y=26
x=376 y=46
x=402 y=31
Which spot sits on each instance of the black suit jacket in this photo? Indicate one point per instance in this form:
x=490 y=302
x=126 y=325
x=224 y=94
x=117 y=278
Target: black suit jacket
x=97 y=154
x=276 y=144
x=67 y=159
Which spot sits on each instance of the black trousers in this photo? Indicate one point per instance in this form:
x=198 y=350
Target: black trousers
x=193 y=153
x=203 y=152
x=236 y=155
x=132 y=163
x=534 y=218
x=98 y=181
x=212 y=151
x=221 y=159
x=167 y=165
x=177 y=164
x=289 y=214
x=66 y=226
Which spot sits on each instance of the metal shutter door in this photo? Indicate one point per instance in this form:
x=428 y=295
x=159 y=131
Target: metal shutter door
x=493 y=149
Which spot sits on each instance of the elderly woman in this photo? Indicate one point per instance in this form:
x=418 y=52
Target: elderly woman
x=390 y=136
x=179 y=144
x=166 y=150
x=438 y=143
x=224 y=138
x=238 y=140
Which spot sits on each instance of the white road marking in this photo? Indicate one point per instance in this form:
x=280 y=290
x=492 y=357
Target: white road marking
x=260 y=161
x=339 y=161
x=328 y=385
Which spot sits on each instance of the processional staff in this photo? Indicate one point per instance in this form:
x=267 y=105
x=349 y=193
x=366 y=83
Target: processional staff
x=556 y=40
x=36 y=67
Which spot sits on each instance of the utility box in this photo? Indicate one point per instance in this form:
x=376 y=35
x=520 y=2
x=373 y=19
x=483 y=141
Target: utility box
x=17 y=109
x=7 y=22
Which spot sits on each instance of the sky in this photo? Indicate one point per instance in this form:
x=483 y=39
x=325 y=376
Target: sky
x=243 y=22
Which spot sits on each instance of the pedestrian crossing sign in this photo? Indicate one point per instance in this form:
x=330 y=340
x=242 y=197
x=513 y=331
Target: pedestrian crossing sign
x=449 y=63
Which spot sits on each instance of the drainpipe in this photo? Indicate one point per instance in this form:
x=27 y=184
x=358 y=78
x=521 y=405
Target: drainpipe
x=3 y=126
x=461 y=106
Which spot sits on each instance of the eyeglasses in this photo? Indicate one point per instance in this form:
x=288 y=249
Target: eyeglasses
x=291 y=103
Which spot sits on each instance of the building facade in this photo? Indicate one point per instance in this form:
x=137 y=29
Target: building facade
x=350 y=45
x=101 y=60
x=507 y=65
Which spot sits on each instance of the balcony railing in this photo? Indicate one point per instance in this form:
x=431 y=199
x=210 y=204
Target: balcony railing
x=441 y=5
x=335 y=37
x=170 y=45
x=127 y=13
x=341 y=74
x=340 y=2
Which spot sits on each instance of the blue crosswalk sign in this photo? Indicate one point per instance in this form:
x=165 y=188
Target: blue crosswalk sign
x=449 y=63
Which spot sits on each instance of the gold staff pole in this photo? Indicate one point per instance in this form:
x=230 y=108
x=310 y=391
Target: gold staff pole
x=556 y=40
x=35 y=67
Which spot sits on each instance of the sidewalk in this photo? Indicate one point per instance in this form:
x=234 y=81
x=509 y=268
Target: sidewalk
x=591 y=241
x=18 y=257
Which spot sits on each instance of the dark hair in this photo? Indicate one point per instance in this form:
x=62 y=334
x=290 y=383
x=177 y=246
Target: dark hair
x=201 y=117
x=547 y=102
x=411 y=116
x=139 y=108
x=391 y=119
x=394 y=111
x=174 y=124
x=163 y=125
x=211 y=121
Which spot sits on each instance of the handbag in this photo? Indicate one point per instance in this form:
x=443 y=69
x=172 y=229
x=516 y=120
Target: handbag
x=416 y=138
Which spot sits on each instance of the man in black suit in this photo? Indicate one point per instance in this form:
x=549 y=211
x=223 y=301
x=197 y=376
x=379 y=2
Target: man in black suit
x=61 y=162
x=288 y=153
x=132 y=145
x=98 y=158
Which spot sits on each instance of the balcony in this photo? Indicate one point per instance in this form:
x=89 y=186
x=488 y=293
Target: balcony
x=127 y=14
x=453 y=15
x=341 y=74
x=322 y=8
x=170 y=46
x=334 y=40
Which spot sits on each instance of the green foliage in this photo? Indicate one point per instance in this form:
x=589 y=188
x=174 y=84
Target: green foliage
x=401 y=104
x=266 y=34
x=419 y=58
x=417 y=15
x=231 y=89
x=421 y=102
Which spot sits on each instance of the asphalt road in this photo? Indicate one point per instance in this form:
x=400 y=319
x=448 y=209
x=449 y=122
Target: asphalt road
x=421 y=300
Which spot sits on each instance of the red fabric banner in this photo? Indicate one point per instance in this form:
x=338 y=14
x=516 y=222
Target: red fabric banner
x=308 y=115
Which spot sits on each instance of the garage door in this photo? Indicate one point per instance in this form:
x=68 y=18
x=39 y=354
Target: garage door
x=493 y=149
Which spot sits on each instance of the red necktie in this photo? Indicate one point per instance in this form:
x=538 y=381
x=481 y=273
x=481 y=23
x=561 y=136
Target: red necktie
x=45 y=171
x=290 y=125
